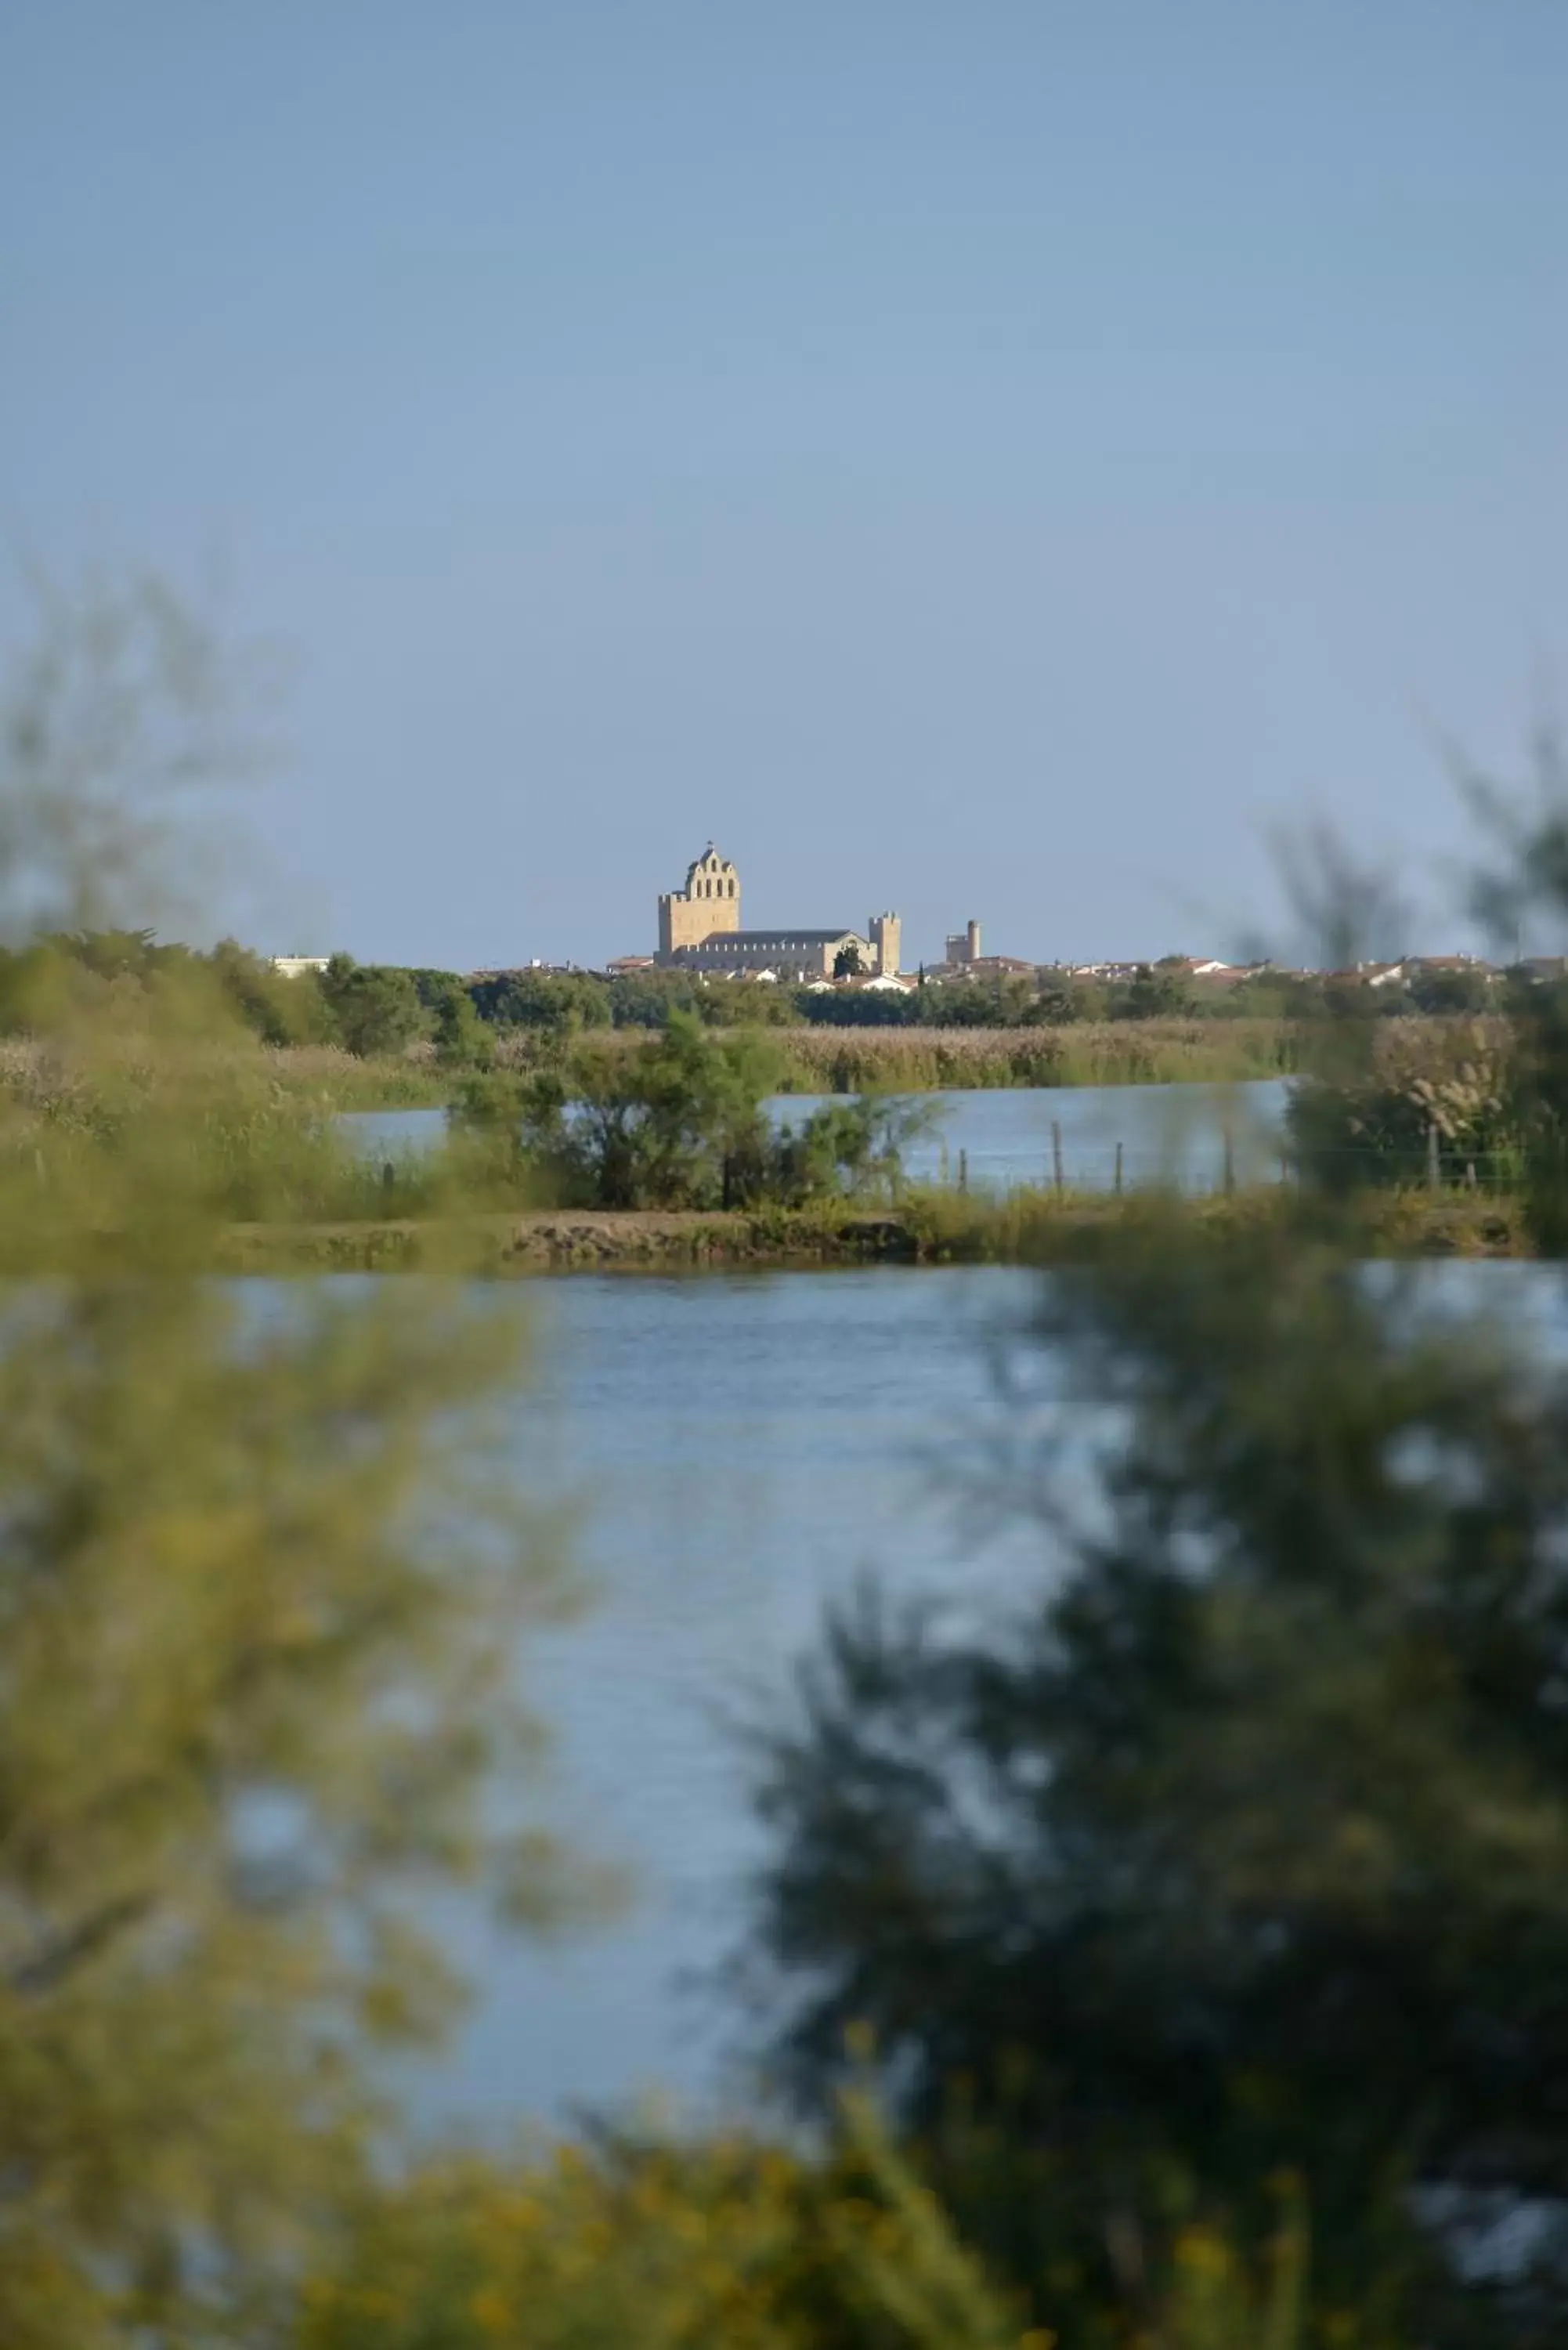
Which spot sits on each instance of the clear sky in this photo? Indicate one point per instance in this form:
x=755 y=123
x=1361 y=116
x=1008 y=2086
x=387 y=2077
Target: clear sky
x=989 y=458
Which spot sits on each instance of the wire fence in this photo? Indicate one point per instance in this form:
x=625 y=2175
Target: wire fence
x=1207 y=1164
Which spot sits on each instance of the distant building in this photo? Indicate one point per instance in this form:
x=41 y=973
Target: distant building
x=291 y=966
x=699 y=929
x=708 y=906
x=964 y=945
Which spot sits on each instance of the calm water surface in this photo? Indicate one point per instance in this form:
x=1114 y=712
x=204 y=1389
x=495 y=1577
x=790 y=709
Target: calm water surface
x=1007 y=1138
x=745 y=1447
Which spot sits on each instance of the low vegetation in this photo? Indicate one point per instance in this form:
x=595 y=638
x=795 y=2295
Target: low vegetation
x=736 y=2243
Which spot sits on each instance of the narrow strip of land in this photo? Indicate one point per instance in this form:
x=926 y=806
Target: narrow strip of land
x=1031 y=1228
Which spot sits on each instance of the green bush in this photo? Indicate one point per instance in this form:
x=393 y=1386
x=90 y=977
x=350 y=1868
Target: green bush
x=676 y=1121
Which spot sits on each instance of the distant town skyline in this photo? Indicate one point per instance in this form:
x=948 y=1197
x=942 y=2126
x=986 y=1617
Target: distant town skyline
x=1002 y=461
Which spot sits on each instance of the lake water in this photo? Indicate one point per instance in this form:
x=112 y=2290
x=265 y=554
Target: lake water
x=1009 y=1137
x=746 y=1447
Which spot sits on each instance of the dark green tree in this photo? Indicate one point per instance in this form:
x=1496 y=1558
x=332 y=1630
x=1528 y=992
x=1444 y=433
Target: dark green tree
x=375 y=1006
x=1440 y=993
x=1156 y=991
x=560 y=1001
x=1245 y=1845
x=463 y=1040
x=279 y=1011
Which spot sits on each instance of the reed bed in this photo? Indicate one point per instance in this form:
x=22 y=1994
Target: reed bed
x=323 y=1075
x=827 y=1060
x=1090 y=1053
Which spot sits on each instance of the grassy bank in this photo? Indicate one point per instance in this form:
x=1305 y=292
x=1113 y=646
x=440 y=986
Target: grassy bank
x=926 y=1227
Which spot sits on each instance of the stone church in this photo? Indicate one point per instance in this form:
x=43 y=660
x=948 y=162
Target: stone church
x=699 y=929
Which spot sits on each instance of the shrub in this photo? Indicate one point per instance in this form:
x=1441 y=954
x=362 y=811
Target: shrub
x=677 y=1120
x=1370 y=1121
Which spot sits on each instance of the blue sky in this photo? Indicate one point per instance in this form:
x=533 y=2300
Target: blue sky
x=988 y=460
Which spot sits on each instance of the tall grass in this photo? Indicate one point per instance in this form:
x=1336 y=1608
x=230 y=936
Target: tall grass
x=1088 y=1053
x=327 y=1072
x=323 y=1075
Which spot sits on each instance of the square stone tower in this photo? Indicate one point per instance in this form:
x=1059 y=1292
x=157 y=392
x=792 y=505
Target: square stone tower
x=885 y=933
x=710 y=902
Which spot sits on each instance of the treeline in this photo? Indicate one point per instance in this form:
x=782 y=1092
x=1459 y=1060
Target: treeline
x=1044 y=999
x=368 y=1009
x=375 y=1010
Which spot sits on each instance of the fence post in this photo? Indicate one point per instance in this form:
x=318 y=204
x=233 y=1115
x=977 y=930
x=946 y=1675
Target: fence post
x=1056 y=1154
x=963 y=1170
x=1230 y=1162
x=1434 y=1165
x=1118 y=1170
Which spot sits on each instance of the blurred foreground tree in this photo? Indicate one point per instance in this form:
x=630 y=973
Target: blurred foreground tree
x=263 y=1562
x=117 y=719
x=1246 y=1844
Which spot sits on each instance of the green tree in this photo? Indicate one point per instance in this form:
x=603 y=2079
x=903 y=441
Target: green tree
x=847 y=964
x=1246 y=1845
x=559 y=1000
x=1440 y=993
x=678 y=1124
x=263 y=1574
x=679 y=1121
x=376 y=1006
x=463 y=1040
x=278 y=1009
x=253 y=1696
x=1156 y=991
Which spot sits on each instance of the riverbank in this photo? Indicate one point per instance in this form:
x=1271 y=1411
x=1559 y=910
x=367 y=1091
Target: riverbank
x=927 y=1228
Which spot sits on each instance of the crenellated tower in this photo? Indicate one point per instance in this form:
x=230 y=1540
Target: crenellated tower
x=886 y=934
x=710 y=902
